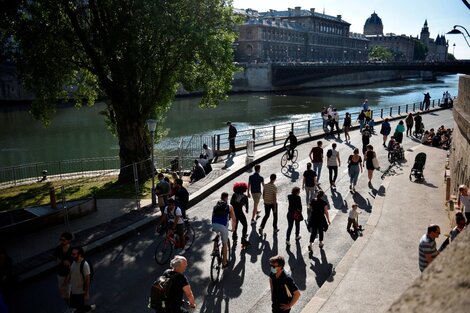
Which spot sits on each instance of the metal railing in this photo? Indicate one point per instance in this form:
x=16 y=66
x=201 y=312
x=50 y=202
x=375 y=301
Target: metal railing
x=272 y=133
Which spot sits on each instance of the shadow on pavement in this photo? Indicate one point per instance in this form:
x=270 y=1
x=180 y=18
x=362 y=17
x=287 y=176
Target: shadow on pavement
x=322 y=269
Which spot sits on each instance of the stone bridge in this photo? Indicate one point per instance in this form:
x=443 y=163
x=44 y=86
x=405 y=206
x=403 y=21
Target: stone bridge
x=296 y=73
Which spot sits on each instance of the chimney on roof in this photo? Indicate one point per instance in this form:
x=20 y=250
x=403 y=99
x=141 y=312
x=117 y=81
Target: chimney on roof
x=297 y=11
x=312 y=10
x=339 y=16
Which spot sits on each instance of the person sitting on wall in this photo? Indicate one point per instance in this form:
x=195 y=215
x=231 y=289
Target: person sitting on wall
x=198 y=172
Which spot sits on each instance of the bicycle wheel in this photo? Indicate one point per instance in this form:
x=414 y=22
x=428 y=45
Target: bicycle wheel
x=294 y=156
x=190 y=234
x=216 y=266
x=163 y=251
x=284 y=160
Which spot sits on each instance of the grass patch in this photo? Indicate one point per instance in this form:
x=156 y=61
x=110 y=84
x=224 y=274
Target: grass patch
x=36 y=194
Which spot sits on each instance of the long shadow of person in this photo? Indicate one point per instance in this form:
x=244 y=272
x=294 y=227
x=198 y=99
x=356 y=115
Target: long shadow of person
x=214 y=298
x=297 y=266
x=362 y=203
x=338 y=201
x=322 y=269
x=236 y=277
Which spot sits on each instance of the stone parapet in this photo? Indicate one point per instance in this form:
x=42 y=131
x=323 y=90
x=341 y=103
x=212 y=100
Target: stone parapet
x=460 y=152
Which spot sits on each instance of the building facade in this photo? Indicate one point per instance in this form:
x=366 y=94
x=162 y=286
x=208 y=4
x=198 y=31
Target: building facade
x=403 y=46
x=298 y=35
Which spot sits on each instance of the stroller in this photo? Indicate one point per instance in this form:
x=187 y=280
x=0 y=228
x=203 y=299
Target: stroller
x=418 y=133
x=395 y=153
x=418 y=166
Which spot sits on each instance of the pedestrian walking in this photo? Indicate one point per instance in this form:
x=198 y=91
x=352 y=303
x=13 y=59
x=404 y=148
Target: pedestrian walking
x=366 y=134
x=284 y=291
x=319 y=219
x=316 y=156
x=294 y=214
x=309 y=183
x=79 y=279
x=427 y=101
x=385 y=130
x=63 y=258
x=365 y=105
x=354 y=167
x=346 y=126
x=325 y=119
x=464 y=199
x=333 y=162
x=418 y=122
x=255 y=182
x=179 y=286
x=362 y=119
x=409 y=121
x=335 y=122
x=232 y=134
x=181 y=196
x=369 y=163
x=399 y=131
x=238 y=201
x=427 y=246
x=270 y=204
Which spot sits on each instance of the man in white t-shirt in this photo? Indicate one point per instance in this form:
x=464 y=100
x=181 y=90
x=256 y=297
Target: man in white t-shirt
x=173 y=217
x=79 y=279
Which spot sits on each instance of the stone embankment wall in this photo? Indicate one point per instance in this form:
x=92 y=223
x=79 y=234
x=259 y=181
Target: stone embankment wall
x=257 y=77
x=444 y=286
x=460 y=153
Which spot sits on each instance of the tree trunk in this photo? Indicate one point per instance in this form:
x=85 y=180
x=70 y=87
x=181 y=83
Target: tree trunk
x=134 y=147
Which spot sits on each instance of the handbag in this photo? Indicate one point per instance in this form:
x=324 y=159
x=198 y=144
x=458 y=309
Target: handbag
x=297 y=216
x=375 y=163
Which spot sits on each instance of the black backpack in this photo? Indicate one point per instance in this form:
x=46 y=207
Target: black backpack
x=329 y=153
x=220 y=209
x=92 y=272
x=160 y=290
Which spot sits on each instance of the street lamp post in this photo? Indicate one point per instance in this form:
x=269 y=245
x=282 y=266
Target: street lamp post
x=456 y=31
x=152 y=125
x=453 y=50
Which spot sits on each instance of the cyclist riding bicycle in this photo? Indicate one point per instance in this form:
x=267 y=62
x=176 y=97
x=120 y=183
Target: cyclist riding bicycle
x=221 y=213
x=172 y=219
x=292 y=144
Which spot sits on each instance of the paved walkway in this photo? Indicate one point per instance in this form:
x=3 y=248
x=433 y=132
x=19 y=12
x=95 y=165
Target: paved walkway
x=357 y=278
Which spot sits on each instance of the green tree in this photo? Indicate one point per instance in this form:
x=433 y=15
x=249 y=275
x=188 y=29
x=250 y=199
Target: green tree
x=450 y=57
x=381 y=53
x=420 y=51
x=134 y=52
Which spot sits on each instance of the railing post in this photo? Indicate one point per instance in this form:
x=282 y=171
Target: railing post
x=399 y=107
x=391 y=110
x=439 y=102
x=433 y=103
x=381 y=113
x=407 y=108
x=414 y=107
x=274 y=134
x=371 y=114
x=253 y=134
x=218 y=142
x=292 y=127
x=308 y=127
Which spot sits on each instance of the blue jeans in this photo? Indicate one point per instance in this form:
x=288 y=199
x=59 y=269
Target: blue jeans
x=353 y=174
x=317 y=168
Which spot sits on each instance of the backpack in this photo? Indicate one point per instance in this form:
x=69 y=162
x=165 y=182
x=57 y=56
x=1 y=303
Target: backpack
x=220 y=209
x=329 y=153
x=92 y=272
x=160 y=290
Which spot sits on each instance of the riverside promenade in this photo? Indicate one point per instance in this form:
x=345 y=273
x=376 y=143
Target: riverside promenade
x=369 y=274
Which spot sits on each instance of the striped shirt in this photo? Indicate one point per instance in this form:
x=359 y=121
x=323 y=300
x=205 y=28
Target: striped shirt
x=269 y=194
x=427 y=245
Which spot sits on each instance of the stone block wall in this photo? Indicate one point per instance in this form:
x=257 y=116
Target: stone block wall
x=460 y=152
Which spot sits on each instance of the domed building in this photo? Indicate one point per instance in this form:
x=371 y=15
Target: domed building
x=373 y=25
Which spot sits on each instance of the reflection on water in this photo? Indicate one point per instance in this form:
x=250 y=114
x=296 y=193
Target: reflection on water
x=81 y=133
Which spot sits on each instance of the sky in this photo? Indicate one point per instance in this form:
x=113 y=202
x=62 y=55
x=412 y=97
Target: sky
x=398 y=16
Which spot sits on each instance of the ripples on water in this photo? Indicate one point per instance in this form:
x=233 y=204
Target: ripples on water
x=82 y=133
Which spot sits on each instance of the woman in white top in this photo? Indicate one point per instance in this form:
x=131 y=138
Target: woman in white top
x=464 y=198
x=332 y=162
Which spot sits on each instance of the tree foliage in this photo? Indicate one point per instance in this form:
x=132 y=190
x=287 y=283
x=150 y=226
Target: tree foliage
x=420 y=51
x=380 y=53
x=134 y=52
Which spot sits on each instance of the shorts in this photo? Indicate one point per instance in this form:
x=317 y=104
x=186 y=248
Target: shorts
x=256 y=197
x=223 y=230
x=63 y=290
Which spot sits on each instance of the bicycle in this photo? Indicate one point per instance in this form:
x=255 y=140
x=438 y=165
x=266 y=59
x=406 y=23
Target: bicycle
x=217 y=258
x=285 y=157
x=164 y=249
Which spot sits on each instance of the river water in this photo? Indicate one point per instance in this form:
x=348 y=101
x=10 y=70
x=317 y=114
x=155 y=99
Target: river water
x=81 y=133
